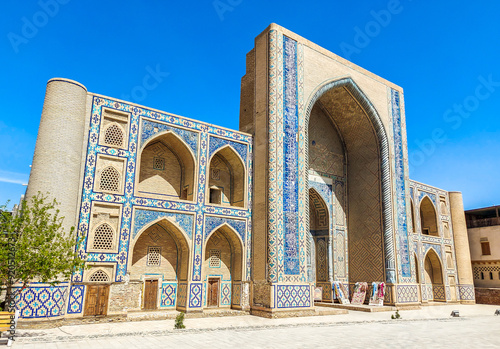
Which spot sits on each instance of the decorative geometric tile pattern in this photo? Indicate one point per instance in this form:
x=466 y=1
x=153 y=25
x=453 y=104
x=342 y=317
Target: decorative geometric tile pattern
x=322 y=260
x=217 y=143
x=182 y=294
x=151 y=129
x=168 y=294
x=407 y=293
x=275 y=221
x=291 y=296
x=137 y=212
x=225 y=294
x=290 y=154
x=326 y=289
x=439 y=292
x=75 y=302
x=195 y=295
x=144 y=217
x=467 y=292
x=426 y=247
x=484 y=268
x=421 y=195
x=402 y=229
x=236 y=296
x=211 y=223
x=41 y=301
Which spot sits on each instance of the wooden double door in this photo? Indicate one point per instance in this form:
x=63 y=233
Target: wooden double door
x=213 y=292
x=150 y=294
x=96 y=302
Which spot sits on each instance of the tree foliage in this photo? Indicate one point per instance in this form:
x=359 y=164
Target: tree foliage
x=43 y=251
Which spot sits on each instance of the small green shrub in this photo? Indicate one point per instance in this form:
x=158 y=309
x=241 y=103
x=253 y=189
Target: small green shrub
x=396 y=316
x=179 y=321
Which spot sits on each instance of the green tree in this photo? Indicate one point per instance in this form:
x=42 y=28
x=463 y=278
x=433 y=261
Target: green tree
x=43 y=251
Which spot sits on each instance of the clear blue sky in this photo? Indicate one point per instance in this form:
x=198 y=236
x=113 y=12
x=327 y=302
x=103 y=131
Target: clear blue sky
x=444 y=54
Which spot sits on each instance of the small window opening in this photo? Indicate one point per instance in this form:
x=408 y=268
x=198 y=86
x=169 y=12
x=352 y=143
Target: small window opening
x=485 y=248
x=158 y=163
x=154 y=256
x=214 y=258
x=425 y=231
x=482 y=276
x=215 y=196
x=184 y=194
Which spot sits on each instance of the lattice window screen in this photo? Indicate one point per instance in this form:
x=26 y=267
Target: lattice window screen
x=215 y=174
x=114 y=136
x=154 y=256
x=110 y=179
x=158 y=163
x=99 y=276
x=103 y=237
x=214 y=258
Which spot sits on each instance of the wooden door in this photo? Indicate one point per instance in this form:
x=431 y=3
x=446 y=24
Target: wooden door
x=96 y=302
x=213 y=292
x=150 y=294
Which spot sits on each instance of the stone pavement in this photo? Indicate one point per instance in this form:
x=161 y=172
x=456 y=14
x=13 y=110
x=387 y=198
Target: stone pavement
x=429 y=327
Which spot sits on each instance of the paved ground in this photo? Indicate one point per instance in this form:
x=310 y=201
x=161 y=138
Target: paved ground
x=430 y=327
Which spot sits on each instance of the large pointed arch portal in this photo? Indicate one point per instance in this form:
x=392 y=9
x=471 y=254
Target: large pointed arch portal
x=369 y=210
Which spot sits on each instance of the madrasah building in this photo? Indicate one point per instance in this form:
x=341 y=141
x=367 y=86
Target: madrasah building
x=183 y=215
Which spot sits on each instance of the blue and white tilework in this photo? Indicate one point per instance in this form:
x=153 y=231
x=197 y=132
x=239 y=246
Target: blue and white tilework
x=216 y=143
x=144 y=217
x=75 y=301
x=151 y=129
x=402 y=230
x=41 y=301
x=168 y=294
x=290 y=296
x=138 y=212
x=211 y=223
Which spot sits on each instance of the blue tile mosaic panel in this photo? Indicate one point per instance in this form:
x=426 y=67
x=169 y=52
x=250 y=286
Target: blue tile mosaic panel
x=431 y=196
x=75 y=301
x=293 y=296
x=168 y=294
x=150 y=129
x=216 y=143
x=402 y=229
x=211 y=223
x=195 y=295
x=144 y=217
x=41 y=301
x=225 y=298
x=188 y=215
x=291 y=158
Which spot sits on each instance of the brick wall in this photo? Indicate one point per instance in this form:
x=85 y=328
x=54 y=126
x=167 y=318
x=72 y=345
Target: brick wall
x=488 y=296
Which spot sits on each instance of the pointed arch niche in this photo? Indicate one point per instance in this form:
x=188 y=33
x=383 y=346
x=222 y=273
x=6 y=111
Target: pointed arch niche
x=319 y=234
x=160 y=252
x=428 y=217
x=361 y=152
x=167 y=168
x=226 y=178
x=434 y=276
x=223 y=268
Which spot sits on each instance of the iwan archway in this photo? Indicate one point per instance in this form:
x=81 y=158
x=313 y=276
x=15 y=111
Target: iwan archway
x=348 y=146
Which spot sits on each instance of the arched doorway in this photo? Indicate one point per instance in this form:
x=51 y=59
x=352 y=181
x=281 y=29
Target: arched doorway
x=160 y=262
x=166 y=168
x=317 y=243
x=226 y=178
x=355 y=153
x=428 y=217
x=434 y=276
x=223 y=268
